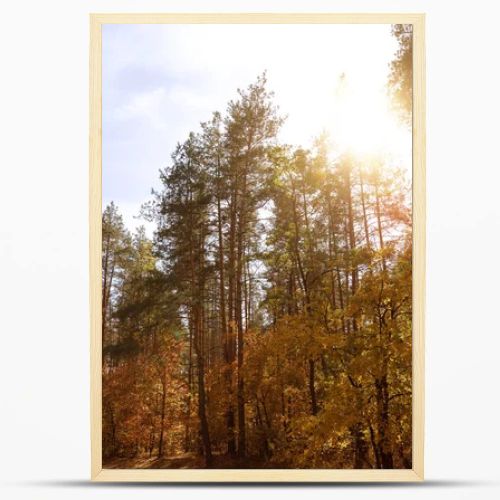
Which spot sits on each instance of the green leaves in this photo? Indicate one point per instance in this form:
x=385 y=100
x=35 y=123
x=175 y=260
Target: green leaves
x=271 y=309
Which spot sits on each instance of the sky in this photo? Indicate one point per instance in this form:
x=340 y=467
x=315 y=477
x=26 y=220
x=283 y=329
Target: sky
x=161 y=81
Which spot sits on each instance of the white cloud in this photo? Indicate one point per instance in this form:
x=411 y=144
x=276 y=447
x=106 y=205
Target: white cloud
x=145 y=105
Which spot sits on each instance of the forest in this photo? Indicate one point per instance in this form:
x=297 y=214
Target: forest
x=267 y=322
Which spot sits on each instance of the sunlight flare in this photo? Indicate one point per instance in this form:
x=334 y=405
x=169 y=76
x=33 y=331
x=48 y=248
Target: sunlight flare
x=363 y=124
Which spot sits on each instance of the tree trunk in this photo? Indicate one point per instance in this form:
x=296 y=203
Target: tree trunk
x=187 y=436
x=363 y=206
x=379 y=227
x=230 y=344
x=383 y=424
x=162 y=418
x=312 y=388
x=239 y=321
x=202 y=415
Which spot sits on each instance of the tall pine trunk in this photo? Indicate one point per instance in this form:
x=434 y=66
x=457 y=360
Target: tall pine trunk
x=239 y=319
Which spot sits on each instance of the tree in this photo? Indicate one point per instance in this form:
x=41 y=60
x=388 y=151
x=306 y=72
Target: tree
x=267 y=323
x=181 y=211
x=401 y=71
x=251 y=128
x=115 y=252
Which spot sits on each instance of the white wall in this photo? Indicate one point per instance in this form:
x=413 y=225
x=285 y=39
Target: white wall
x=44 y=365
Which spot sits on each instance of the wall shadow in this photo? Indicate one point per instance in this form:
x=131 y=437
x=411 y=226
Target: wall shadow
x=429 y=484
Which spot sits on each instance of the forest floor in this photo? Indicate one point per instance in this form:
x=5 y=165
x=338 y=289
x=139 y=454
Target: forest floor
x=184 y=461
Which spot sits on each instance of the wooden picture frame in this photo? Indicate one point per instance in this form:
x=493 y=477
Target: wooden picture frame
x=259 y=475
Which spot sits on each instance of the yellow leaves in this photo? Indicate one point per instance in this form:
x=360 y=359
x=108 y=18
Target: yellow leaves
x=401 y=348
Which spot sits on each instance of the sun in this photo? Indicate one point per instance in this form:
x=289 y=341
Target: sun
x=363 y=124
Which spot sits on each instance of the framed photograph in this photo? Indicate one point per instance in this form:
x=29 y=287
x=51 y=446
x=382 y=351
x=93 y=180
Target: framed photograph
x=257 y=247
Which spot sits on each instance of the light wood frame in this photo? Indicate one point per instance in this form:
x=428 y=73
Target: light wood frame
x=95 y=206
